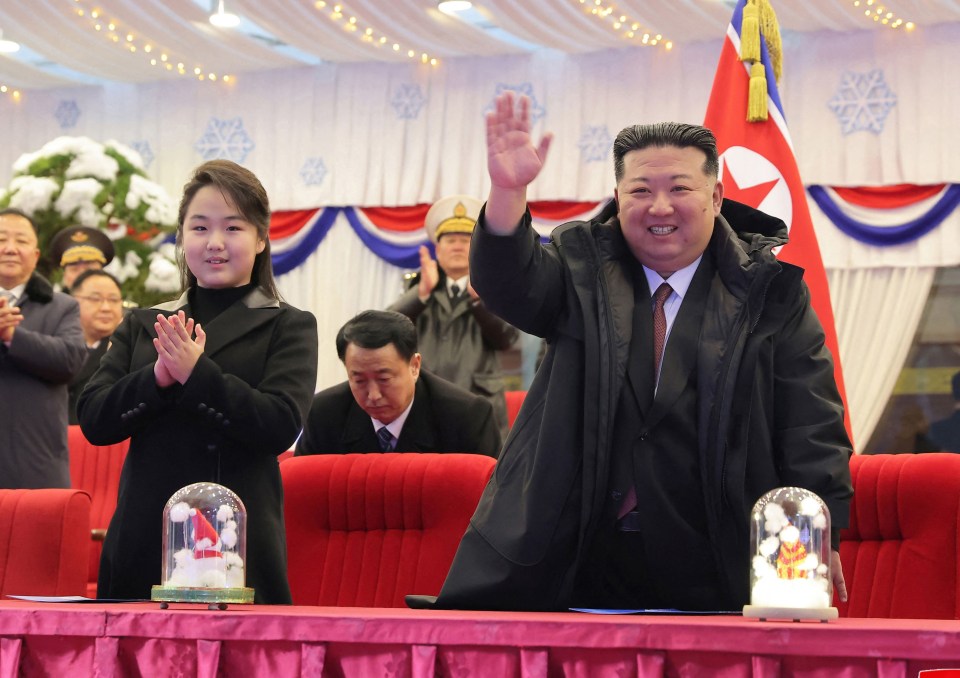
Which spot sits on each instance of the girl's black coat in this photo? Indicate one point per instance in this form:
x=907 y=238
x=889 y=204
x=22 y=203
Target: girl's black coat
x=244 y=404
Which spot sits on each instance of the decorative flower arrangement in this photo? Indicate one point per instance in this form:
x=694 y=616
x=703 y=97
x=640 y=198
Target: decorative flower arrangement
x=75 y=180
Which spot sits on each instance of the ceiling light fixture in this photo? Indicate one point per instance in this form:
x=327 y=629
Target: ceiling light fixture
x=8 y=46
x=223 y=19
x=451 y=7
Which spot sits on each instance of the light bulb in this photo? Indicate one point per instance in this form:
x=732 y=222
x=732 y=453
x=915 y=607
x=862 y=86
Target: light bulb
x=451 y=7
x=223 y=19
x=8 y=46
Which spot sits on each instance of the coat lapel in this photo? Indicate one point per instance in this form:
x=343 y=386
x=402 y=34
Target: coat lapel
x=418 y=433
x=232 y=324
x=358 y=434
x=680 y=353
x=640 y=365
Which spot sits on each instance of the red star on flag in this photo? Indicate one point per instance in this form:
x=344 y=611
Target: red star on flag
x=748 y=195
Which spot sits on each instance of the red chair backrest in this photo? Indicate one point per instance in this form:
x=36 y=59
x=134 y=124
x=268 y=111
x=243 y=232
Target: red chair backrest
x=96 y=470
x=367 y=529
x=44 y=542
x=514 y=401
x=900 y=553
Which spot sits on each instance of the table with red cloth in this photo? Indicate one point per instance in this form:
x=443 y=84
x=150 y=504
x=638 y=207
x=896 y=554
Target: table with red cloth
x=98 y=639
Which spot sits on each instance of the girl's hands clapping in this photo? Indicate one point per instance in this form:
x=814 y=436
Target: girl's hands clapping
x=177 y=349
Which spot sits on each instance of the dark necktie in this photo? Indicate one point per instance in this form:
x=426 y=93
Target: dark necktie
x=386 y=439
x=454 y=291
x=659 y=324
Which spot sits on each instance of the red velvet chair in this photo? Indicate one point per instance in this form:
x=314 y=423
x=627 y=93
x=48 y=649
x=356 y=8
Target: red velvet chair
x=367 y=529
x=901 y=553
x=44 y=542
x=514 y=401
x=96 y=470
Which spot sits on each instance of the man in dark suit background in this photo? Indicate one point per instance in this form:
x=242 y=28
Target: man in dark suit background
x=101 y=310
x=389 y=404
x=41 y=348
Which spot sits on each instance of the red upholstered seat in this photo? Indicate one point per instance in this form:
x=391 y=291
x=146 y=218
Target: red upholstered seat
x=44 y=542
x=367 y=529
x=514 y=401
x=96 y=470
x=901 y=554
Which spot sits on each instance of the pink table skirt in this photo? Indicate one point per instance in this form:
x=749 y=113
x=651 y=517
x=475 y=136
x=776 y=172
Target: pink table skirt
x=64 y=640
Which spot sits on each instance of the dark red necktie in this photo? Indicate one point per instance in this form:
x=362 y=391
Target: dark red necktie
x=659 y=324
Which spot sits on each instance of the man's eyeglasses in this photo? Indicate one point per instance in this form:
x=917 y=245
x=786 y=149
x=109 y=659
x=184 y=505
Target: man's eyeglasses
x=96 y=300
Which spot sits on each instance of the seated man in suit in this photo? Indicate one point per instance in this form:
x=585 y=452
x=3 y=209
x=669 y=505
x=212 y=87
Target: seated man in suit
x=389 y=404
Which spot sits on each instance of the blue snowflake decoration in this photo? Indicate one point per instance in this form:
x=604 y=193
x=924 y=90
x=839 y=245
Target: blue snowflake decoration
x=407 y=101
x=313 y=171
x=225 y=139
x=862 y=102
x=595 y=143
x=67 y=113
x=536 y=110
x=146 y=153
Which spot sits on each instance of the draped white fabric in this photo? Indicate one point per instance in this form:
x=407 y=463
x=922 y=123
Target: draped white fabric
x=351 y=116
x=340 y=279
x=877 y=313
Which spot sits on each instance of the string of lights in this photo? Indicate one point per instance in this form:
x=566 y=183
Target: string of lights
x=624 y=26
x=10 y=92
x=883 y=15
x=139 y=46
x=367 y=34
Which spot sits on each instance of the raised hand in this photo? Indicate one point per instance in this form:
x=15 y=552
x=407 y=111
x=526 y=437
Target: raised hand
x=512 y=159
x=10 y=317
x=429 y=274
x=177 y=350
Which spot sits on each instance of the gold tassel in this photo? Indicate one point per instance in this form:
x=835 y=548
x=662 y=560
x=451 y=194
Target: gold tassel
x=750 y=32
x=757 y=99
x=771 y=35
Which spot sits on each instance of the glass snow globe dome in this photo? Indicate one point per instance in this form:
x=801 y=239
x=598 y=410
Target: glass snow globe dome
x=790 y=574
x=204 y=547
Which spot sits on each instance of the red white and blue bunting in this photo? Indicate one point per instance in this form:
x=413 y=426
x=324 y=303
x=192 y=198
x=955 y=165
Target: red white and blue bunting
x=394 y=234
x=884 y=216
x=880 y=217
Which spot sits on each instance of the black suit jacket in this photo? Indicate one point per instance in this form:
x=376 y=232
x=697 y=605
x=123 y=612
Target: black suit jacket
x=83 y=376
x=444 y=418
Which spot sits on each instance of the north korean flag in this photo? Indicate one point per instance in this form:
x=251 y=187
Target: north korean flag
x=758 y=168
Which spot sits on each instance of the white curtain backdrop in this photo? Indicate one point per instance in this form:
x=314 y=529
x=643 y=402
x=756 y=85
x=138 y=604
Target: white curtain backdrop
x=405 y=134
x=340 y=279
x=877 y=313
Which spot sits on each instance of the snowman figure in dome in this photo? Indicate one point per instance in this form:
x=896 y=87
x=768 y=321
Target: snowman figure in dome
x=792 y=562
x=205 y=564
